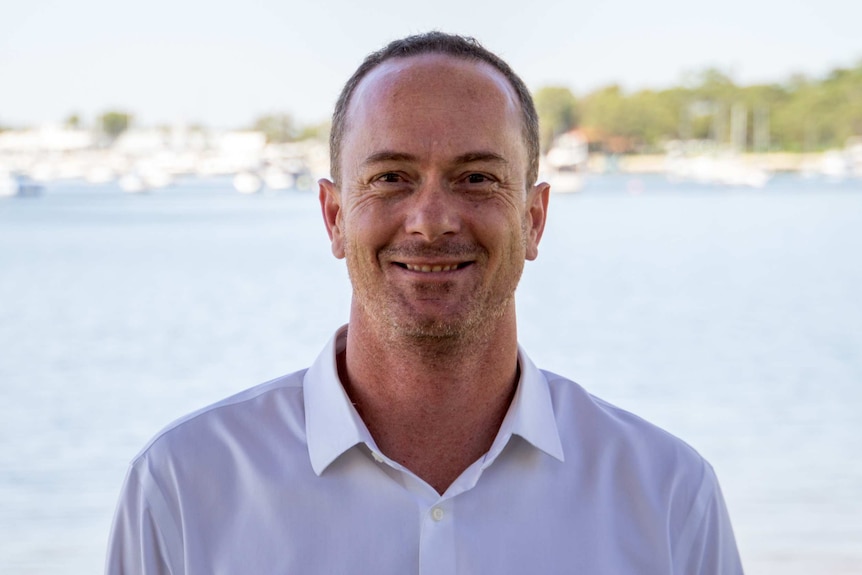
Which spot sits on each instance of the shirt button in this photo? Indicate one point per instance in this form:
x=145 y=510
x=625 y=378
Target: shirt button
x=437 y=514
x=376 y=457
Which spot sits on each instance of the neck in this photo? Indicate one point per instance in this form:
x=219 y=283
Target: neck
x=432 y=404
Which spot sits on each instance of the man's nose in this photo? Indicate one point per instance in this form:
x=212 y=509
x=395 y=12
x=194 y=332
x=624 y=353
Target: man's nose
x=434 y=211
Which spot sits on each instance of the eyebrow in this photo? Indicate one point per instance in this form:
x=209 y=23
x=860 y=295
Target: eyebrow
x=481 y=156
x=388 y=156
x=468 y=158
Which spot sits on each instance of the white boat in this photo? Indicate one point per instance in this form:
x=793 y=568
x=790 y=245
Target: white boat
x=246 y=182
x=8 y=185
x=278 y=179
x=155 y=178
x=15 y=185
x=564 y=181
x=565 y=163
x=132 y=183
x=725 y=169
x=834 y=166
x=853 y=154
x=99 y=174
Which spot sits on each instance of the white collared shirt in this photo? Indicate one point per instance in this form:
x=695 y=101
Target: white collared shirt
x=285 y=478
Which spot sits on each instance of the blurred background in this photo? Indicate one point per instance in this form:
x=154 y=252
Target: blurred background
x=161 y=244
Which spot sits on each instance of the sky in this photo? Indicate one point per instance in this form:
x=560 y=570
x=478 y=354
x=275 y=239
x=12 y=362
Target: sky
x=224 y=63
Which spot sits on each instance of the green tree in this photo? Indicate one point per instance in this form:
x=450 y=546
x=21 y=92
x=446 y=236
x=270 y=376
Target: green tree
x=603 y=116
x=113 y=123
x=803 y=114
x=558 y=112
x=649 y=119
x=314 y=132
x=278 y=128
x=73 y=121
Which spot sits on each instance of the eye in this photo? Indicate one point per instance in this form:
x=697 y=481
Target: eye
x=477 y=179
x=477 y=184
x=390 y=184
x=390 y=178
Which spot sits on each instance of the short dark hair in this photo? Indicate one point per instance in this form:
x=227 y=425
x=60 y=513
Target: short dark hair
x=435 y=42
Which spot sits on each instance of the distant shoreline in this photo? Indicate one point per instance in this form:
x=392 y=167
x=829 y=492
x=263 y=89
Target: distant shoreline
x=773 y=162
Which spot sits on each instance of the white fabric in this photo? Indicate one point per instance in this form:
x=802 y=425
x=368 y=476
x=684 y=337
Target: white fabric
x=285 y=478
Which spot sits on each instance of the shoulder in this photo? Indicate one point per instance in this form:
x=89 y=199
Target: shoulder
x=606 y=437
x=199 y=466
x=259 y=410
x=637 y=460
x=656 y=479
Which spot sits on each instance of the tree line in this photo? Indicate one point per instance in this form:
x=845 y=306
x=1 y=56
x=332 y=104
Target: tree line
x=799 y=115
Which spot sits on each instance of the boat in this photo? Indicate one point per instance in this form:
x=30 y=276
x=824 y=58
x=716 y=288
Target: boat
x=565 y=163
x=17 y=185
x=278 y=179
x=247 y=182
x=132 y=183
x=714 y=168
x=564 y=181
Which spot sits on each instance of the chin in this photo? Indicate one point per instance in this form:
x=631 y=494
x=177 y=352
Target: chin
x=432 y=330
x=453 y=329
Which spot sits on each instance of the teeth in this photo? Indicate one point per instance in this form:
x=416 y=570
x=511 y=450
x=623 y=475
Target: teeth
x=428 y=269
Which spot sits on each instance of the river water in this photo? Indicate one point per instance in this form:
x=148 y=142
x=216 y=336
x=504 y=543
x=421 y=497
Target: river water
x=730 y=317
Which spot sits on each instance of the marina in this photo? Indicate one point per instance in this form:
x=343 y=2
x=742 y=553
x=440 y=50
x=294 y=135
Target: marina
x=143 y=160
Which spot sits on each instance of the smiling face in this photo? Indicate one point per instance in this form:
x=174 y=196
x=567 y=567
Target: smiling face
x=433 y=211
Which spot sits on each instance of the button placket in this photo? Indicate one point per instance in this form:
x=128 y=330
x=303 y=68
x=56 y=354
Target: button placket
x=437 y=545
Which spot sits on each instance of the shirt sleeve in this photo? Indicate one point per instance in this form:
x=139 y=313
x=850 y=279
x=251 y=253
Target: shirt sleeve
x=144 y=539
x=706 y=545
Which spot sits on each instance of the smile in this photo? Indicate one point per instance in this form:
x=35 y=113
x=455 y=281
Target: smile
x=432 y=268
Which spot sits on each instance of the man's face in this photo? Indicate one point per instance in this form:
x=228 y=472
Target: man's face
x=433 y=212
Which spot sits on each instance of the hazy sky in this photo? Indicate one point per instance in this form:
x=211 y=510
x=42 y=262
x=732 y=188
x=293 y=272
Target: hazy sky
x=224 y=63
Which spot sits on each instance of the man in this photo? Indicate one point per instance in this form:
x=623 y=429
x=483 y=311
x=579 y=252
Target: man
x=423 y=439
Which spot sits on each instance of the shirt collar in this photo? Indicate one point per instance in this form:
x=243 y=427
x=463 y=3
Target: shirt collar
x=333 y=425
x=531 y=415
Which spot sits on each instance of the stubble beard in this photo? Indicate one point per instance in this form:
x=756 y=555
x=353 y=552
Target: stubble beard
x=399 y=325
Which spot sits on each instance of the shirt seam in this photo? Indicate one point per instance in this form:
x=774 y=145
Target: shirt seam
x=236 y=399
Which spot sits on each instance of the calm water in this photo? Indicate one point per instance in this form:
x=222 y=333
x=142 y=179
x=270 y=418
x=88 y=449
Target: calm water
x=733 y=318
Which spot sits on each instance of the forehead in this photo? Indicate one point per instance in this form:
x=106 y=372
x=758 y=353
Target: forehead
x=435 y=74
x=434 y=98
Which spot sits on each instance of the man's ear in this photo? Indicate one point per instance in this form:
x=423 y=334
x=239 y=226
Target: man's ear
x=330 y=205
x=537 y=214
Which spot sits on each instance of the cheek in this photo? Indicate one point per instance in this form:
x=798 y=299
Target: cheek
x=367 y=231
x=504 y=231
